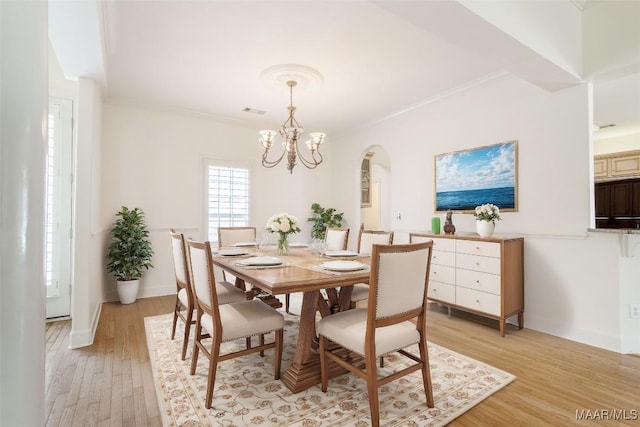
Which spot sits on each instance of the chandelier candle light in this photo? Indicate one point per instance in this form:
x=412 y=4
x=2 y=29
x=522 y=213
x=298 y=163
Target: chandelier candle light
x=290 y=132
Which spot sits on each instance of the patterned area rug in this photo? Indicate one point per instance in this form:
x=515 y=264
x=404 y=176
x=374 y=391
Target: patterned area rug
x=246 y=394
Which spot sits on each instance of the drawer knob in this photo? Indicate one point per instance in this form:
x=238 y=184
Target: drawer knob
x=478 y=301
x=478 y=282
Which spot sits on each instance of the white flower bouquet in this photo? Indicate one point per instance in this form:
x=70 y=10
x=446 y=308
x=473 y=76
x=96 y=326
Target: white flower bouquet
x=283 y=224
x=487 y=212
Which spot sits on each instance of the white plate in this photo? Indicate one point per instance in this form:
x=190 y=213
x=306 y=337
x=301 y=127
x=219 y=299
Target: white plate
x=343 y=265
x=243 y=244
x=261 y=260
x=341 y=253
x=232 y=252
x=297 y=245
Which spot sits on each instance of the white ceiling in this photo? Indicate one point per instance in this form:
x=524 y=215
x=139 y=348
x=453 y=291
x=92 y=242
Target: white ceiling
x=376 y=58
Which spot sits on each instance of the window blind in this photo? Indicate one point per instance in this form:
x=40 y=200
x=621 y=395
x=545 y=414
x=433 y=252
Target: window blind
x=227 y=198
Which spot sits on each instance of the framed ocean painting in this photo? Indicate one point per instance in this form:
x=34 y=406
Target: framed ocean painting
x=469 y=178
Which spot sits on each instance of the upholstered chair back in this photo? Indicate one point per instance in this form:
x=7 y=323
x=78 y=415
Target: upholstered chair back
x=401 y=280
x=368 y=238
x=202 y=287
x=229 y=236
x=337 y=238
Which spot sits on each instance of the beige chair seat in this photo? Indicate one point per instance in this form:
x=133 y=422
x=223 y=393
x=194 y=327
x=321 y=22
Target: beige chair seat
x=227 y=293
x=245 y=319
x=360 y=292
x=348 y=330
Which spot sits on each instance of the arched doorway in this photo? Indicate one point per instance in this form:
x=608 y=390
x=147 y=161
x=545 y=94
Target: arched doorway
x=375 y=196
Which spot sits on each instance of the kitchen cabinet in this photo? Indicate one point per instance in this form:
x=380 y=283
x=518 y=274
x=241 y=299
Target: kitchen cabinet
x=616 y=165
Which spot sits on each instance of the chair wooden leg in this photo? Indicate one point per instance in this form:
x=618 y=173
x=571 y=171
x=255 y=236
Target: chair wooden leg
x=372 y=388
x=287 y=300
x=382 y=361
x=187 y=330
x=213 y=368
x=175 y=319
x=196 y=349
x=324 y=377
x=426 y=372
x=278 y=356
x=248 y=342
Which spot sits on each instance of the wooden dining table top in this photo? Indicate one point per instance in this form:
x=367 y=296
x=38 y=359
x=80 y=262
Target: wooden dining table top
x=299 y=271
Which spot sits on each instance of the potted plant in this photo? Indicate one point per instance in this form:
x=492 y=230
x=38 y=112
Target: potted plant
x=323 y=218
x=129 y=253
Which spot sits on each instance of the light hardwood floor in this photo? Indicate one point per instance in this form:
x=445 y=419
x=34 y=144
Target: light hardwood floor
x=110 y=382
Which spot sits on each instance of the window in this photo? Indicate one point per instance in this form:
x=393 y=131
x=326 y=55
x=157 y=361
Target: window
x=227 y=188
x=59 y=207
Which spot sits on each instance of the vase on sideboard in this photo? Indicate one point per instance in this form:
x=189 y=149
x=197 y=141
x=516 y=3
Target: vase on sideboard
x=485 y=228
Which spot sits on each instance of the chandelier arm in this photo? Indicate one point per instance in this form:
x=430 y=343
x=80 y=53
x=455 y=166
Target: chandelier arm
x=310 y=164
x=271 y=163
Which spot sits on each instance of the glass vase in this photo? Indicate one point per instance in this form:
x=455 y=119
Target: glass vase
x=283 y=244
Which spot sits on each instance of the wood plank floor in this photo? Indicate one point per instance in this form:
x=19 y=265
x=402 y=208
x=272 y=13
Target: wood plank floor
x=110 y=382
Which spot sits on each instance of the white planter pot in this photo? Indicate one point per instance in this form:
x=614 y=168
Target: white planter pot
x=485 y=228
x=128 y=290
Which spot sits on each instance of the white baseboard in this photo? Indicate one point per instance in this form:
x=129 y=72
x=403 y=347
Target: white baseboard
x=630 y=345
x=84 y=338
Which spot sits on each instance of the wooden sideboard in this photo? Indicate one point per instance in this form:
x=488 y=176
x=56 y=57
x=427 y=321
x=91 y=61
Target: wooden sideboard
x=484 y=276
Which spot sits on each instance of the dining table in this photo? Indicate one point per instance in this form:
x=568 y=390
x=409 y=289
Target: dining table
x=300 y=271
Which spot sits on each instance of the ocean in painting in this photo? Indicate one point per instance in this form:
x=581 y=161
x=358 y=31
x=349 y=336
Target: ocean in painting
x=504 y=198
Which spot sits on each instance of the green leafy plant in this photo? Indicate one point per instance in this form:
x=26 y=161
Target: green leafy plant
x=323 y=218
x=130 y=250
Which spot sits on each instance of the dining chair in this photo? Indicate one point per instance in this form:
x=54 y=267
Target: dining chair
x=399 y=280
x=184 y=296
x=337 y=238
x=227 y=322
x=229 y=236
x=366 y=240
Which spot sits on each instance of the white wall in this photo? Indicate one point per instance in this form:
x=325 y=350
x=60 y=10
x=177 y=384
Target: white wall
x=88 y=250
x=154 y=161
x=617 y=144
x=570 y=275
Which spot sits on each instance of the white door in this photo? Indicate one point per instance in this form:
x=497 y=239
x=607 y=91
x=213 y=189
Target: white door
x=59 y=208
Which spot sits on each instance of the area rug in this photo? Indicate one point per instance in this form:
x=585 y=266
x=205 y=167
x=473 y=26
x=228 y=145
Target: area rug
x=246 y=394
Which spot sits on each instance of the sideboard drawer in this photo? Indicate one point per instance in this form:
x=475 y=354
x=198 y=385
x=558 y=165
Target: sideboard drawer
x=443 y=258
x=478 y=263
x=479 y=301
x=479 y=281
x=448 y=245
x=473 y=247
x=441 y=292
x=442 y=273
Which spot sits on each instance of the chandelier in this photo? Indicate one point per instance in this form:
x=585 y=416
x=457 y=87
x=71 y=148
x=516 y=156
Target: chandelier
x=290 y=132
